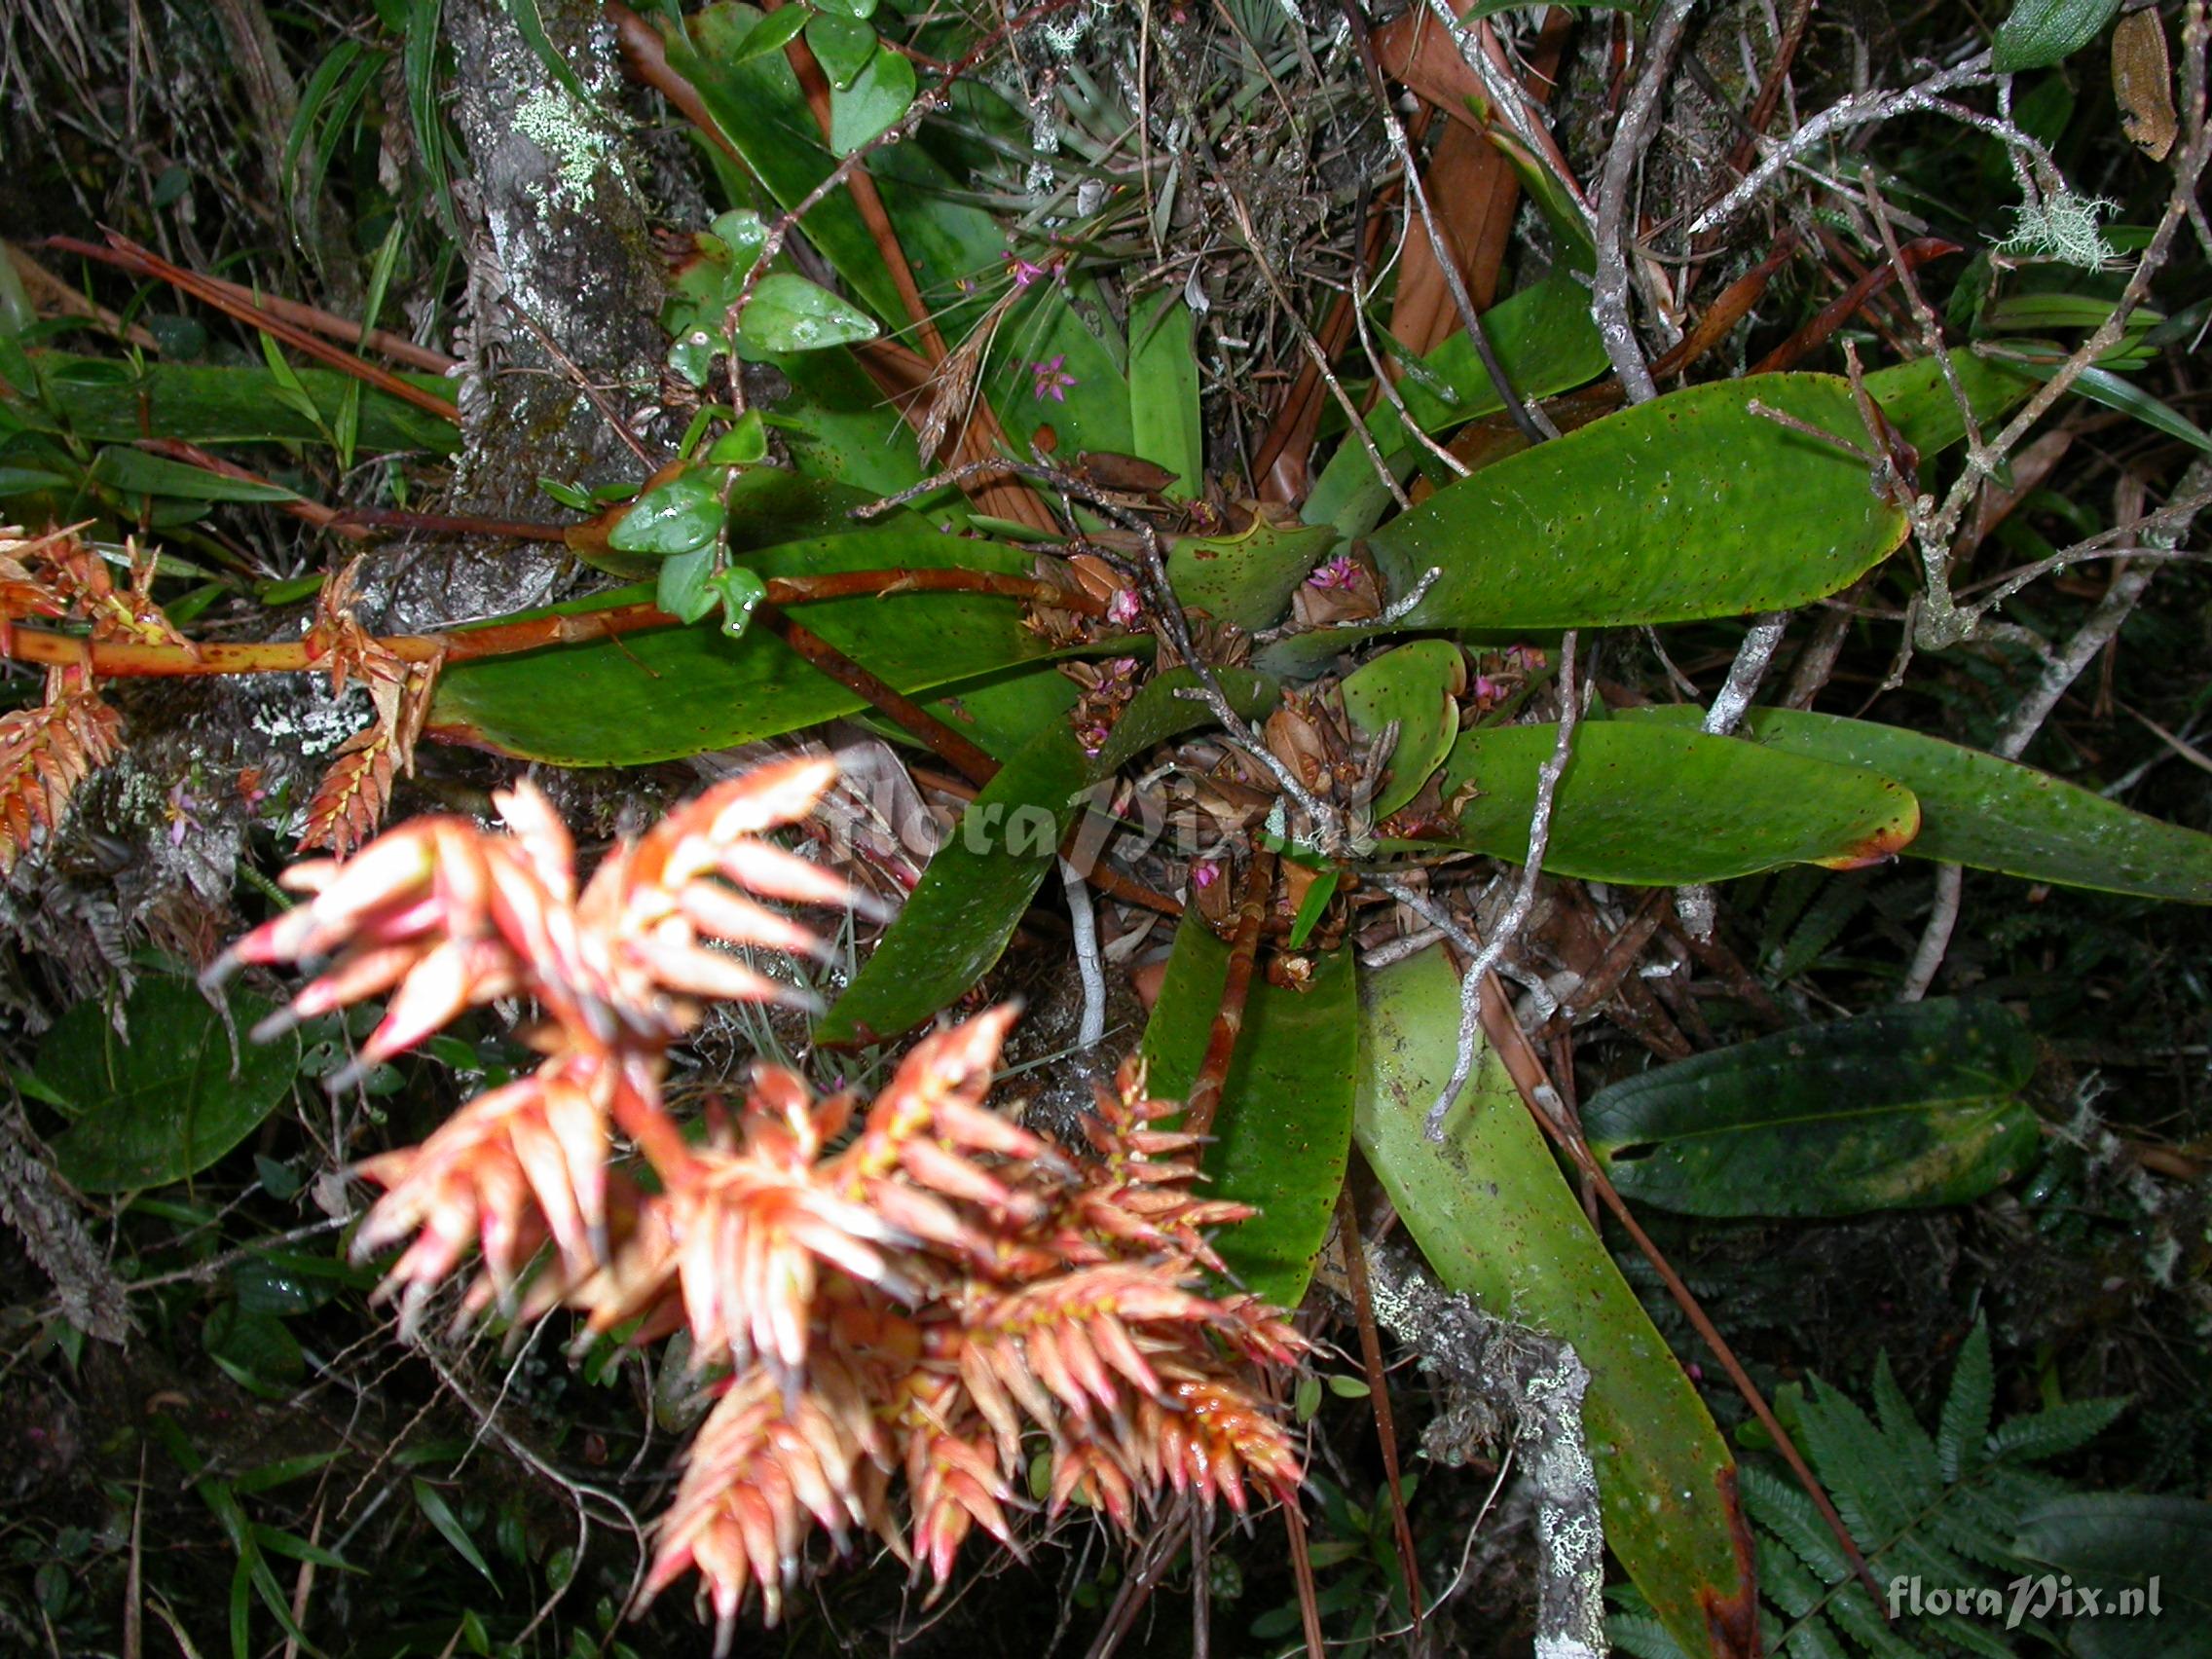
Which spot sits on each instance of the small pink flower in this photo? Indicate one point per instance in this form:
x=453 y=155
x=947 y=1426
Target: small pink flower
x=1053 y=379
x=1023 y=270
x=1338 y=573
x=1205 y=875
x=1124 y=608
x=1486 y=688
x=183 y=813
x=1092 y=736
x=1527 y=658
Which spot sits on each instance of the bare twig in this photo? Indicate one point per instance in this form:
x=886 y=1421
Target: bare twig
x=1508 y=928
x=1752 y=658
x=1608 y=291
x=1083 y=923
x=1935 y=938
x=1856 y=110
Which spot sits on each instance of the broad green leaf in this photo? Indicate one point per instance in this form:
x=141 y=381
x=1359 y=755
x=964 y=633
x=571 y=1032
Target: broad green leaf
x=842 y=45
x=1498 y=1223
x=1175 y=1037
x=878 y=98
x=957 y=922
x=2038 y=33
x=255 y=1345
x=1419 y=686
x=1283 y=1129
x=674 y=516
x=772 y=34
x=683 y=588
x=103 y=401
x=1917 y=399
x=1688 y=506
x=789 y=314
x=1992 y=814
x=1547 y=342
x=744 y=444
x=1692 y=808
x=1165 y=424
x=2122 y=1545
x=677 y=691
x=758 y=106
x=1066 y=366
x=165 y=1103
x=1903 y=1108
x=1246 y=579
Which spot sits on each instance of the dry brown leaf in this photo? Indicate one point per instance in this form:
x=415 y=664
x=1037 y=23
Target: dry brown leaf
x=2143 y=82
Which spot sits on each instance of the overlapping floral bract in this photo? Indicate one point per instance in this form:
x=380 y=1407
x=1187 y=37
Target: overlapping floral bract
x=915 y=1287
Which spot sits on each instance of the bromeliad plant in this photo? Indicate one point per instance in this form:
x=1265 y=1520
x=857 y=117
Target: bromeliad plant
x=913 y=1299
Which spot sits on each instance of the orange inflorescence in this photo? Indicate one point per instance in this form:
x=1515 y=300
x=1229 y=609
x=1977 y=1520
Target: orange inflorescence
x=45 y=752
x=909 y=1287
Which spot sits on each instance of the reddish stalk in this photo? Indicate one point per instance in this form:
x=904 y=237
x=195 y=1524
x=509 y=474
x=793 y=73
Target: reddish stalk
x=1379 y=1394
x=311 y=317
x=915 y=719
x=128 y=255
x=1837 y=311
x=1221 y=1045
x=122 y=660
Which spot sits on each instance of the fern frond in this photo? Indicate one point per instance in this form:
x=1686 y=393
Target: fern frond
x=2056 y=1431
x=1963 y=1430
x=1908 y=1441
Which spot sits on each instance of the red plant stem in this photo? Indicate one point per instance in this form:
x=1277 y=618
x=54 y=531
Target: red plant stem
x=121 y=661
x=1833 y=315
x=1221 y=1044
x=1378 y=1393
x=145 y=262
x=394 y=346
x=299 y=507
x=912 y=718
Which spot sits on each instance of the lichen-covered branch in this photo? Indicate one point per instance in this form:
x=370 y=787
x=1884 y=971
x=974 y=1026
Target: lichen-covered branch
x=1504 y=1382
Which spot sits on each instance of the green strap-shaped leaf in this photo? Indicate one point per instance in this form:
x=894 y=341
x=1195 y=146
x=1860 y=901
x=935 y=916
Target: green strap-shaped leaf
x=1903 y=1108
x=677 y=691
x=1545 y=342
x=1689 y=507
x=1165 y=424
x=1497 y=1222
x=104 y=401
x=1663 y=813
x=1989 y=813
x=1282 y=1131
x=964 y=909
x=1284 y=1128
x=172 y=1097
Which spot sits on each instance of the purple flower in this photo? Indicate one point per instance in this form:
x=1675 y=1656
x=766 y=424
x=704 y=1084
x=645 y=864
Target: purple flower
x=1124 y=608
x=183 y=812
x=1053 y=379
x=1486 y=688
x=1205 y=875
x=1338 y=573
x=1023 y=270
